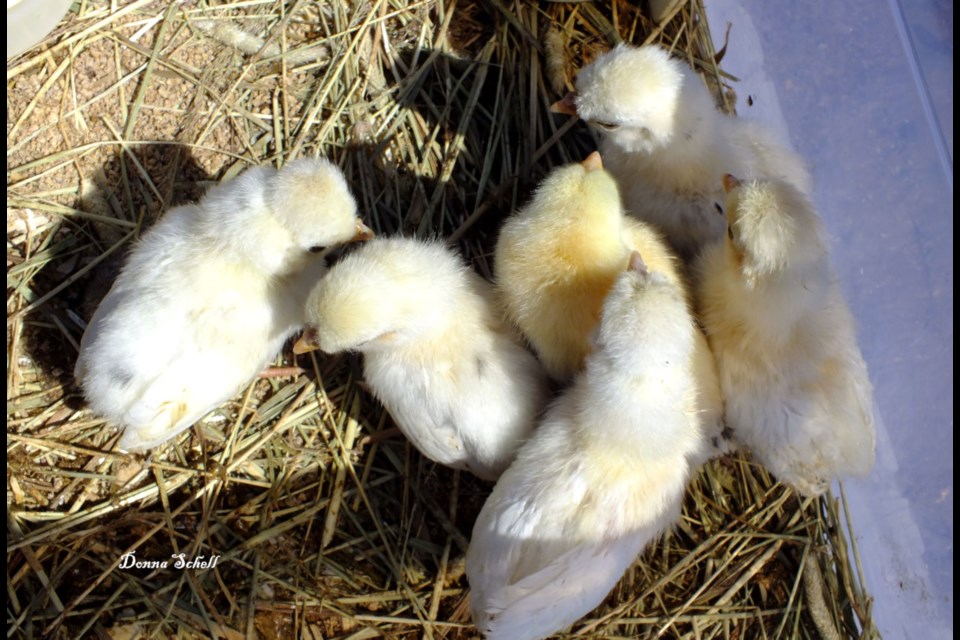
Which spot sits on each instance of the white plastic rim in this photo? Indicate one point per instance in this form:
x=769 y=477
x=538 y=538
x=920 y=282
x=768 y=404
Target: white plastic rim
x=29 y=22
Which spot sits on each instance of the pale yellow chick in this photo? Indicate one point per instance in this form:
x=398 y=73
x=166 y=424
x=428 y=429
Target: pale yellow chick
x=437 y=352
x=602 y=476
x=795 y=384
x=557 y=258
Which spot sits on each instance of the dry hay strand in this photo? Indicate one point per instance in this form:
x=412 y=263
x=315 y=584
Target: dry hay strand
x=438 y=114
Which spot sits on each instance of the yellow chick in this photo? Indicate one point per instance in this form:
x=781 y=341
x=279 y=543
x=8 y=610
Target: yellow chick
x=795 y=384
x=437 y=352
x=208 y=295
x=668 y=146
x=601 y=477
x=557 y=258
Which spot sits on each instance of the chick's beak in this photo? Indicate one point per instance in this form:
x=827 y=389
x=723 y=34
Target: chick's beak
x=567 y=104
x=307 y=342
x=593 y=162
x=637 y=264
x=363 y=232
x=730 y=182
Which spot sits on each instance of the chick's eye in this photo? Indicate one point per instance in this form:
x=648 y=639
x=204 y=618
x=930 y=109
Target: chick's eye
x=718 y=207
x=606 y=126
x=317 y=249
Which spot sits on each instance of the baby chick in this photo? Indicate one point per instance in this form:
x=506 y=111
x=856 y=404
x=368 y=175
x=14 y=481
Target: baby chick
x=796 y=386
x=668 y=146
x=557 y=258
x=601 y=477
x=437 y=352
x=708 y=400
x=208 y=295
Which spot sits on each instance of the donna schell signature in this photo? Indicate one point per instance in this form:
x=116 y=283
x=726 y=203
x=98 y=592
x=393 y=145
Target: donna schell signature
x=176 y=561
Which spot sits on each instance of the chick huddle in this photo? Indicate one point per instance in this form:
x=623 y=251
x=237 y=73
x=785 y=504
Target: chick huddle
x=607 y=274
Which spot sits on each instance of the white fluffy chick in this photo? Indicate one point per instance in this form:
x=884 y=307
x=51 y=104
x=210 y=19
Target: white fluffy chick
x=208 y=295
x=557 y=258
x=668 y=146
x=437 y=352
x=602 y=476
x=708 y=400
x=795 y=384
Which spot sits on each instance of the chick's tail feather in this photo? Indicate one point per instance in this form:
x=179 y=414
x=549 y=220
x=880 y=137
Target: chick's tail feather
x=555 y=597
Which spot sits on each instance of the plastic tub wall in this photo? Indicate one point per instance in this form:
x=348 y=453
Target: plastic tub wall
x=864 y=90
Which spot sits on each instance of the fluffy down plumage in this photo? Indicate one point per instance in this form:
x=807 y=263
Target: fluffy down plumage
x=601 y=477
x=795 y=384
x=437 y=351
x=668 y=146
x=557 y=258
x=208 y=295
